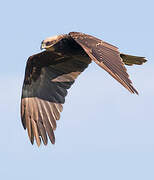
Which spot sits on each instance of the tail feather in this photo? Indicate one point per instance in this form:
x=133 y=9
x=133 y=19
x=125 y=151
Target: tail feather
x=131 y=60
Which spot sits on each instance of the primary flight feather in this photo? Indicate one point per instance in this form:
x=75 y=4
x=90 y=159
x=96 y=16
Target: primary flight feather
x=50 y=73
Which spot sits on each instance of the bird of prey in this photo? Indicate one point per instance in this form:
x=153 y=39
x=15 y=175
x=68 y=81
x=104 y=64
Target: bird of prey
x=52 y=72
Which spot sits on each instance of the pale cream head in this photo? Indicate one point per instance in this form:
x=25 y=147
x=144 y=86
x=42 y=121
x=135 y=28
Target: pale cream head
x=50 y=41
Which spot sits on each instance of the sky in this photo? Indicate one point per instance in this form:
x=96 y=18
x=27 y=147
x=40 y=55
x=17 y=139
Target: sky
x=104 y=131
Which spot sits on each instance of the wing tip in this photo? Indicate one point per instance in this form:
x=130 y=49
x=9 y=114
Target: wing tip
x=135 y=92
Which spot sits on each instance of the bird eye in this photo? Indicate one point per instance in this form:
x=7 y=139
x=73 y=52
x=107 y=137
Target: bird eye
x=47 y=43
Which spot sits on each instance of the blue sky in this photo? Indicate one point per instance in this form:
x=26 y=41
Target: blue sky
x=110 y=133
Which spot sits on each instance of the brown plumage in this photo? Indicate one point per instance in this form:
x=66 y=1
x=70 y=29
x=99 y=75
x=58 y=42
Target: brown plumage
x=50 y=73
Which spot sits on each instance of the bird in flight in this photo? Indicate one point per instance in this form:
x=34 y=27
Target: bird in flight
x=52 y=72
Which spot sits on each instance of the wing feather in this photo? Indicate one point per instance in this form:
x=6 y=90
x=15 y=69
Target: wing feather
x=43 y=132
x=55 y=111
x=49 y=130
x=27 y=117
x=35 y=131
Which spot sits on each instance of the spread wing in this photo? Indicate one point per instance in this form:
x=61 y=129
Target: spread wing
x=106 y=56
x=47 y=78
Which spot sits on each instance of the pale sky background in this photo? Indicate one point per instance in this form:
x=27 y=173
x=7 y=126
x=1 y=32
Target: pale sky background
x=104 y=131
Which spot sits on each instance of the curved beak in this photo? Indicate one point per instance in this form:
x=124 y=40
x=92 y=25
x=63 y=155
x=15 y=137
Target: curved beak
x=42 y=45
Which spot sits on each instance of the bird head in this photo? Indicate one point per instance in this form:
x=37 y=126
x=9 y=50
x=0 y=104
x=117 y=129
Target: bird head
x=49 y=42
